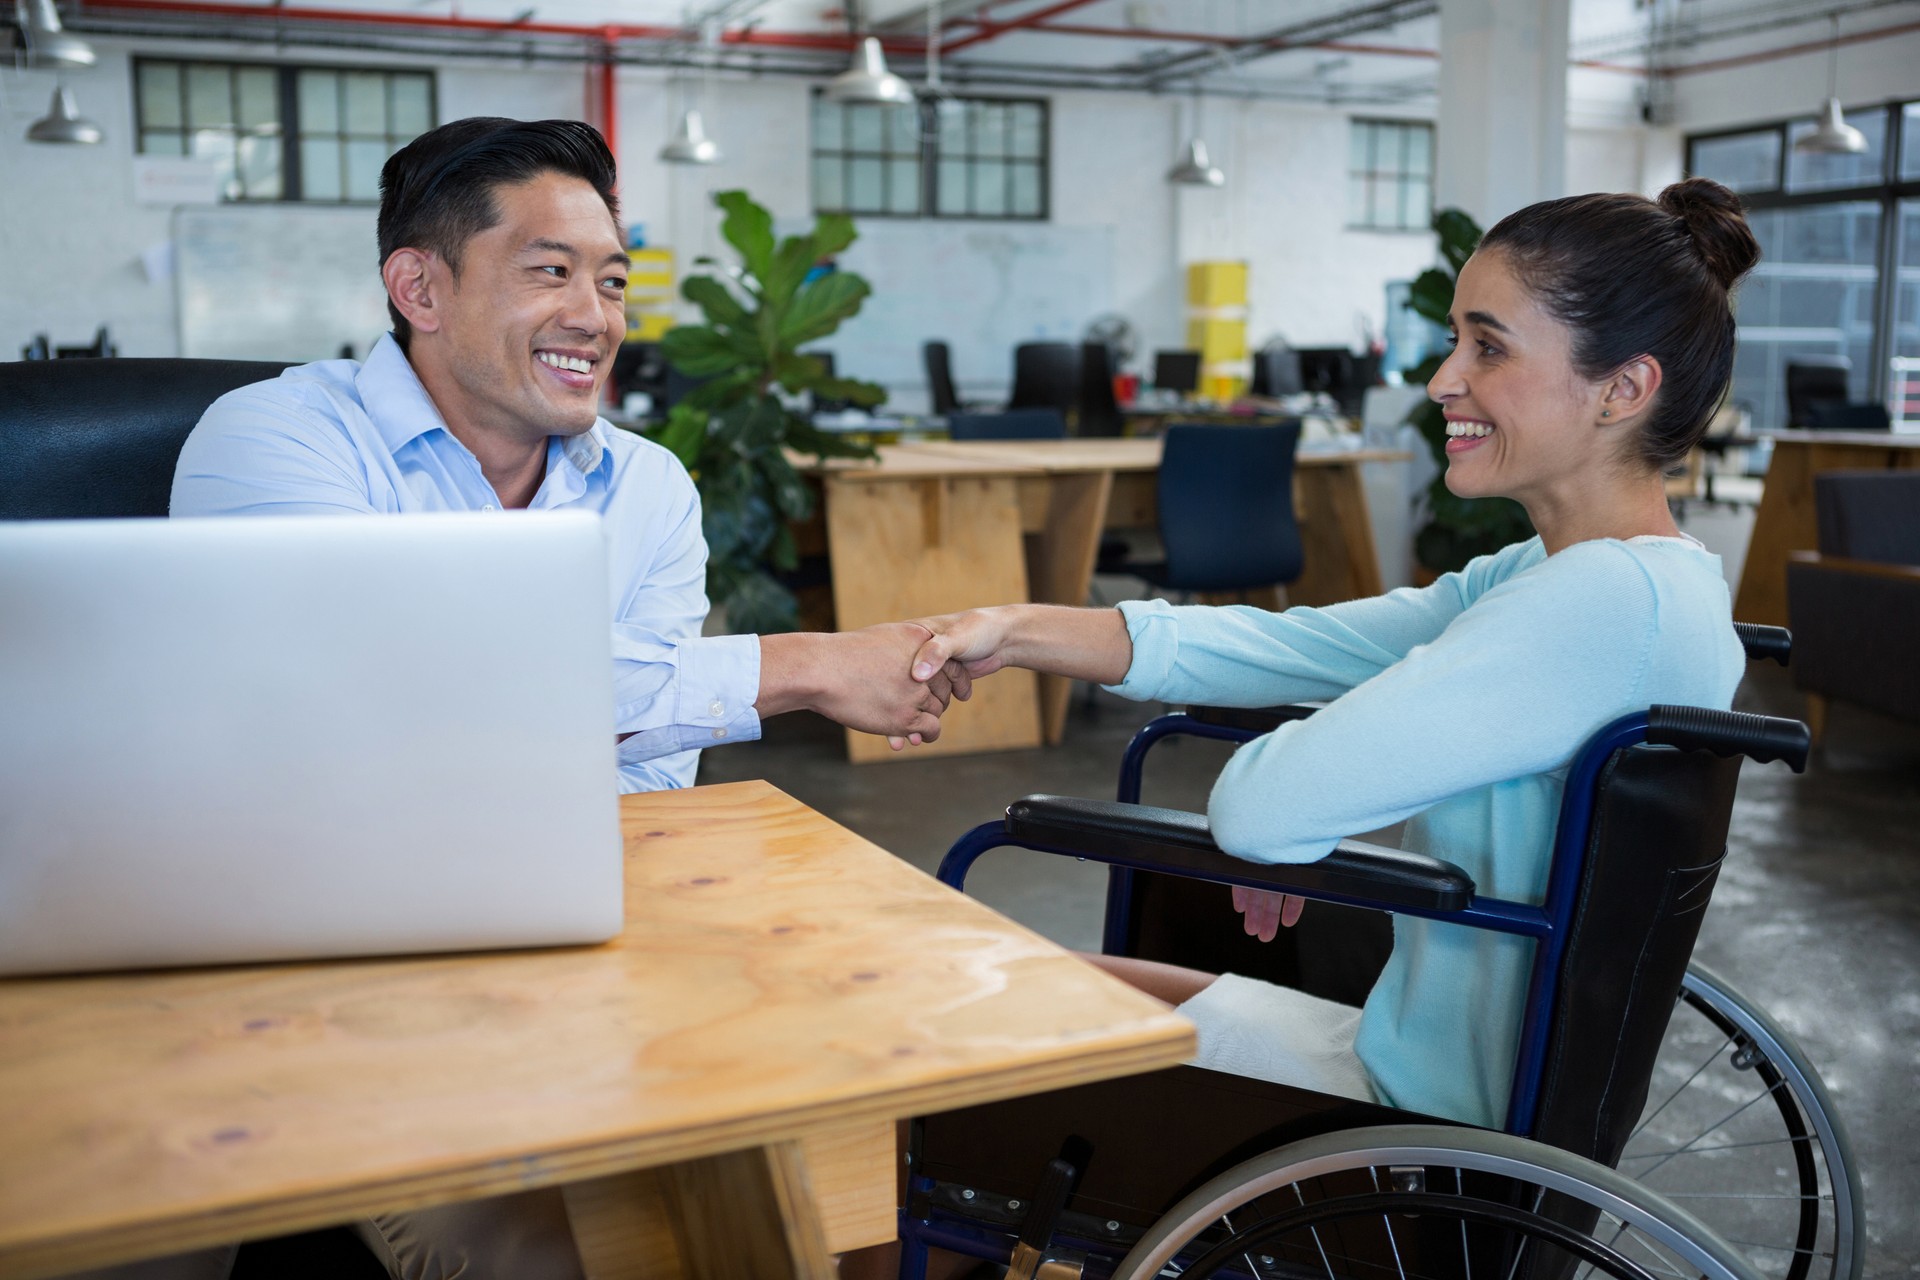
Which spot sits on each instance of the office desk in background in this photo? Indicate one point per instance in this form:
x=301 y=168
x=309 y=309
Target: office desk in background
x=935 y=527
x=1785 y=521
x=717 y=1088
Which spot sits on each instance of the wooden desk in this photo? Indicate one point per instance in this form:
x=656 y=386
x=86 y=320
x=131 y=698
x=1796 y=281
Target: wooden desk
x=1785 y=521
x=945 y=525
x=783 y=993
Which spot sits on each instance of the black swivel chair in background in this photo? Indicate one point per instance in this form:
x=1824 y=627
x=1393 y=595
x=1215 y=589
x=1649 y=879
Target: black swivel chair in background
x=943 y=397
x=1014 y=424
x=99 y=437
x=1099 y=410
x=1046 y=375
x=1276 y=372
x=1814 y=380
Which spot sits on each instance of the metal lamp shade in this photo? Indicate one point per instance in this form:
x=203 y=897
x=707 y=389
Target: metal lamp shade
x=64 y=123
x=1833 y=135
x=1195 y=169
x=47 y=45
x=868 y=79
x=690 y=143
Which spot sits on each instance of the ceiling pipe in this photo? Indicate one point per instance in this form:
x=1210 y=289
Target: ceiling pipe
x=988 y=30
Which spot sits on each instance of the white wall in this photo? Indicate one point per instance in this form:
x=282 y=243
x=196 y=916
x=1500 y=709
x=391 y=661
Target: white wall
x=1869 y=72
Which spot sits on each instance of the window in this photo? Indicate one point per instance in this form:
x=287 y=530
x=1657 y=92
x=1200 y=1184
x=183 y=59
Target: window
x=1830 y=281
x=1390 y=175
x=280 y=132
x=953 y=158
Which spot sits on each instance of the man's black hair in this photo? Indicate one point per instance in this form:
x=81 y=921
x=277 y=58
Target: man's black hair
x=437 y=192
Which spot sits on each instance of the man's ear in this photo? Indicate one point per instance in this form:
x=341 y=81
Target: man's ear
x=1629 y=392
x=416 y=281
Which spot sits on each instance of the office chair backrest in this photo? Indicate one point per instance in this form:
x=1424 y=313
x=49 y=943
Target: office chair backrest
x=1046 y=375
x=1099 y=410
x=1226 y=506
x=1276 y=372
x=99 y=437
x=941 y=395
x=1811 y=378
x=1838 y=415
x=1658 y=836
x=1015 y=424
x=1176 y=371
x=1869 y=515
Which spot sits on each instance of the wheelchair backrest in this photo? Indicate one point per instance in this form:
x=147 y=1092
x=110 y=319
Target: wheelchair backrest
x=1658 y=836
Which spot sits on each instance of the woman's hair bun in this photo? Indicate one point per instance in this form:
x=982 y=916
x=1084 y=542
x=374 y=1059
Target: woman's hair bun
x=1718 y=225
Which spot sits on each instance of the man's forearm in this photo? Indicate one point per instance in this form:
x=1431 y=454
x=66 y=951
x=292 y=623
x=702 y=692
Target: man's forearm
x=792 y=673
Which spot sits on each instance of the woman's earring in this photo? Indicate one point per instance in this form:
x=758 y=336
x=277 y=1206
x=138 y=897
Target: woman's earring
x=1606 y=413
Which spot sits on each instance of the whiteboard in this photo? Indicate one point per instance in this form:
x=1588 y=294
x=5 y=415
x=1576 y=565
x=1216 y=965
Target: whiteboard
x=277 y=282
x=979 y=286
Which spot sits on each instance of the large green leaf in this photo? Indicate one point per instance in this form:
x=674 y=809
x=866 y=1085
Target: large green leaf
x=832 y=232
x=791 y=261
x=1459 y=236
x=1432 y=295
x=819 y=308
x=722 y=309
x=682 y=434
x=748 y=228
x=700 y=351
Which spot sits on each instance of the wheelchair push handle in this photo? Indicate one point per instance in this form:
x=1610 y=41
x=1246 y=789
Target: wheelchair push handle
x=1764 y=642
x=1731 y=733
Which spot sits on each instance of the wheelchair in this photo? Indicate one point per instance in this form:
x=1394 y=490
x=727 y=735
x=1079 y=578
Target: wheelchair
x=1659 y=1124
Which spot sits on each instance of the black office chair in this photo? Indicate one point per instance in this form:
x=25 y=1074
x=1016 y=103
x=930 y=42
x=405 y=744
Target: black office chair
x=1276 y=372
x=1226 y=509
x=100 y=437
x=1099 y=410
x=1811 y=379
x=1176 y=371
x=1015 y=424
x=943 y=397
x=1839 y=415
x=1046 y=375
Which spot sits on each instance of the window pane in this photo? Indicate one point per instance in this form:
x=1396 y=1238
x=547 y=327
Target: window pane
x=829 y=124
x=1910 y=142
x=1420 y=152
x=829 y=183
x=990 y=187
x=1026 y=190
x=990 y=130
x=951 y=122
x=209 y=97
x=260 y=167
x=163 y=143
x=160 y=95
x=865 y=183
x=1357 y=136
x=1811 y=171
x=319 y=94
x=364 y=158
x=953 y=187
x=412 y=106
x=866 y=127
x=903 y=130
x=1903 y=378
x=1420 y=196
x=1745 y=162
x=1025 y=139
x=259 y=98
x=1805 y=298
x=320 y=169
x=903 y=186
x=366 y=105
x=1357 y=201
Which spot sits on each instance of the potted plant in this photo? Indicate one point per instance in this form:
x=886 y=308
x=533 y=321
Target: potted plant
x=1457 y=529
x=732 y=432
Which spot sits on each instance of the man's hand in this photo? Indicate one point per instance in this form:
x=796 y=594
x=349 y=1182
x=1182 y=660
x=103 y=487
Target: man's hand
x=1267 y=912
x=857 y=678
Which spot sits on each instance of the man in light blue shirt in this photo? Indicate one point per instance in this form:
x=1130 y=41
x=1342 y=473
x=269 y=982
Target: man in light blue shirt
x=485 y=398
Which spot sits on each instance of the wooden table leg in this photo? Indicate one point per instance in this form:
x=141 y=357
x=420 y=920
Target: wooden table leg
x=1060 y=560
x=1337 y=537
x=911 y=547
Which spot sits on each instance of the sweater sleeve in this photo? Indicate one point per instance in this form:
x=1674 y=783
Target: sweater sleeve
x=1511 y=688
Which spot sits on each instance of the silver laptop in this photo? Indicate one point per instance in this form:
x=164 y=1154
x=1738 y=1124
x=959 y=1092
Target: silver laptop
x=259 y=739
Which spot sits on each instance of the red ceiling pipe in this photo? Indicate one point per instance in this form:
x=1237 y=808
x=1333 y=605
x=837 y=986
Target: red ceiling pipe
x=989 y=30
x=610 y=98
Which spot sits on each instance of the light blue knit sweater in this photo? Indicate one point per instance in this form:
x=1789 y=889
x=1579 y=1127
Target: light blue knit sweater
x=1456 y=707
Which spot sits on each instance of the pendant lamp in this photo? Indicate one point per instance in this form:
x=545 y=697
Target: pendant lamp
x=690 y=143
x=64 y=123
x=47 y=45
x=868 y=79
x=1194 y=169
x=1833 y=136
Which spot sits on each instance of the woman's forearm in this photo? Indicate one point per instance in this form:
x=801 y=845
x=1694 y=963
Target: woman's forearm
x=1083 y=644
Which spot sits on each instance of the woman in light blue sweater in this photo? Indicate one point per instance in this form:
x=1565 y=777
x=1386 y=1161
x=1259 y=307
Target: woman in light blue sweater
x=1593 y=338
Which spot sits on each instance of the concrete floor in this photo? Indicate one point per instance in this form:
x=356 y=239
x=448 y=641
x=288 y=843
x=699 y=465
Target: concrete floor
x=1817 y=915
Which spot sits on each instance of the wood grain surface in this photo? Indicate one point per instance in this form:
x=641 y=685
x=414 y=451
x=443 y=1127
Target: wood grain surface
x=779 y=977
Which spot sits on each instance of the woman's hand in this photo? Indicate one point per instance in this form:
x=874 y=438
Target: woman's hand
x=1267 y=912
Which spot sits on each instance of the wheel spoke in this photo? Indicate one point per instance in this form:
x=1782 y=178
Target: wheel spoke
x=1394 y=1245
x=1691 y=1150
x=1711 y=1059
x=1716 y=1126
x=1315 y=1233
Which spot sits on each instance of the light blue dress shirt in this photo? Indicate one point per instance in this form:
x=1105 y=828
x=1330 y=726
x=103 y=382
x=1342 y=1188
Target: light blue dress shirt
x=1457 y=709
x=348 y=438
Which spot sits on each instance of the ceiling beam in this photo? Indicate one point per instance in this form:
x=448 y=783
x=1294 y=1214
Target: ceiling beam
x=1371 y=17
x=986 y=29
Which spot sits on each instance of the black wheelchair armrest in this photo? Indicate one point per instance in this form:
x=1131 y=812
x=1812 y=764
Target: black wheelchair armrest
x=1181 y=844
x=1253 y=720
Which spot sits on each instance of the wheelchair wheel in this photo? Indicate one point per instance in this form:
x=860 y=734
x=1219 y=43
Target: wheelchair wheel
x=1427 y=1201
x=1739 y=1130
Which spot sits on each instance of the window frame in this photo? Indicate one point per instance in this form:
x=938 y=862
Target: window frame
x=929 y=156
x=286 y=83
x=1887 y=192
x=1397 y=177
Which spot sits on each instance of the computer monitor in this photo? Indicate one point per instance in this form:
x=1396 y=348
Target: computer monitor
x=1176 y=371
x=1276 y=372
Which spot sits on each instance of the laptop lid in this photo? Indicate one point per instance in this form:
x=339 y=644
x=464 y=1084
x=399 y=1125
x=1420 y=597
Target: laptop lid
x=257 y=739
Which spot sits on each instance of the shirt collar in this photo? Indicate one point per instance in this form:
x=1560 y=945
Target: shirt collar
x=398 y=403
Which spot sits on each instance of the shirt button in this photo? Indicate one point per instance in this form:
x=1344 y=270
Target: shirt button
x=719 y=733
x=716 y=707
x=488 y=507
